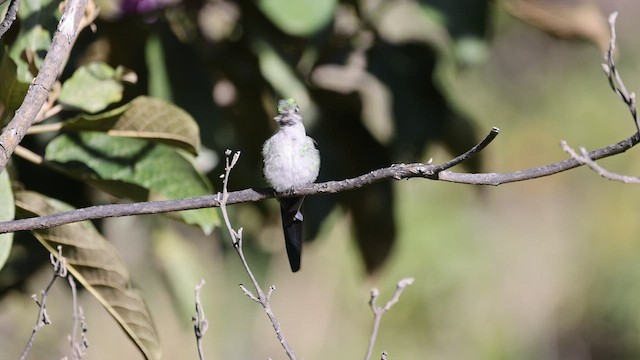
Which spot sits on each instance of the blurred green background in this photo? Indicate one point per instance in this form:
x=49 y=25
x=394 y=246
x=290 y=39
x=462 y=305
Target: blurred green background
x=543 y=269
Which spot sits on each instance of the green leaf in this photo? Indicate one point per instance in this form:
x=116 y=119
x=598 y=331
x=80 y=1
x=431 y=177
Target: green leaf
x=92 y=88
x=97 y=265
x=145 y=118
x=12 y=89
x=7 y=212
x=124 y=167
x=299 y=17
x=39 y=19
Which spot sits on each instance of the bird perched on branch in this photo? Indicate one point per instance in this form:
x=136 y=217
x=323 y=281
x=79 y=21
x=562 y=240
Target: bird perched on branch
x=291 y=160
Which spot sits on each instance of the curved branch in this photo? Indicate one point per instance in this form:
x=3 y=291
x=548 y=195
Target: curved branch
x=397 y=172
x=39 y=89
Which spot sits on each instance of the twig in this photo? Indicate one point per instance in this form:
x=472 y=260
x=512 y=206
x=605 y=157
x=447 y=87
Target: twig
x=59 y=270
x=467 y=155
x=39 y=89
x=10 y=17
x=200 y=322
x=379 y=311
x=615 y=80
x=584 y=159
x=236 y=239
x=78 y=348
x=618 y=87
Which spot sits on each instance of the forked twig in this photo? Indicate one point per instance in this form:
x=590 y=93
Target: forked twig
x=379 y=311
x=236 y=239
x=200 y=322
x=618 y=87
x=59 y=270
x=78 y=347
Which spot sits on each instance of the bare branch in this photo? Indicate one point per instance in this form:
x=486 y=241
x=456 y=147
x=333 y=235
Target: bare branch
x=379 y=311
x=59 y=270
x=78 y=348
x=200 y=322
x=615 y=81
x=236 y=240
x=397 y=172
x=26 y=114
x=10 y=17
x=584 y=159
x=618 y=87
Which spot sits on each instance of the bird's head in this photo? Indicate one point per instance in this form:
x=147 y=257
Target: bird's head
x=288 y=113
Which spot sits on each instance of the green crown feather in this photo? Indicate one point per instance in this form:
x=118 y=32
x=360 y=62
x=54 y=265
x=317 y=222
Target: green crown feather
x=286 y=106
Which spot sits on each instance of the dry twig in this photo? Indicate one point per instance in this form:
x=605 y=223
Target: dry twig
x=10 y=17
x=379 y=311
x=59 y=270
x=236 y=239
x=78 y=346
x=200 y=322
x=618 y=87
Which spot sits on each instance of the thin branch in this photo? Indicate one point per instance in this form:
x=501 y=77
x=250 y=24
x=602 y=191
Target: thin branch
x=29 y=155
x=59 y=270
x=39 y=90
x=583 y=158
x=397 y=172
x=10 y=17
x=379 y=311
x=200 y=322
x=236 y=240
x=615 y=80
x=474 y=150
x=45 y=128
x=78 y=347
x=618 y=87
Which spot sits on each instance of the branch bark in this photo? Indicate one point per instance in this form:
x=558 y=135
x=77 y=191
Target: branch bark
x=10 y=17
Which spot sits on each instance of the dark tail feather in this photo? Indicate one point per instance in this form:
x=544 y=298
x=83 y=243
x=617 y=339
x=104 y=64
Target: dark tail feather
x=291 y=210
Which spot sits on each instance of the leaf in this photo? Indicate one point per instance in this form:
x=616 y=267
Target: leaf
x=124 y=167
x=7 y=212
x=12 y=89
x=299 y=18
x=97 y=265
x=38 y=21
x=92 y=88
x=565 y=19
x=145 y=118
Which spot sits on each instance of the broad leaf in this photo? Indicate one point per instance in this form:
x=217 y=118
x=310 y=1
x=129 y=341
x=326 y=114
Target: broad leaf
x=97 y=265
x=299 y=18
x=92 y=88
x=7 y=212
x=144 y=118
x=124 y=167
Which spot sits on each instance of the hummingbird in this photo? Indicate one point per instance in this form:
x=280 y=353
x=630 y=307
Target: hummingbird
x=291 y=160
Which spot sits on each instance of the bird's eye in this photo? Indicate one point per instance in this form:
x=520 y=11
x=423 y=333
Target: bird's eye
x=297 y=109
